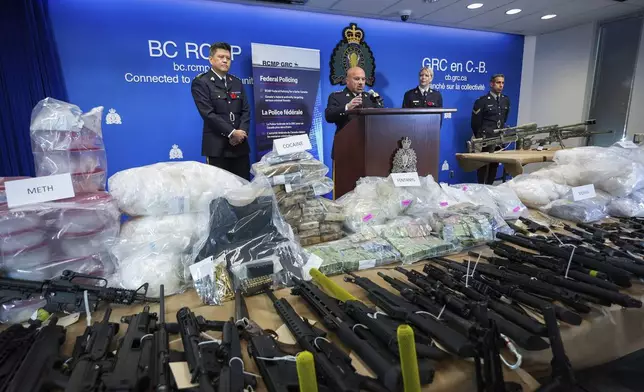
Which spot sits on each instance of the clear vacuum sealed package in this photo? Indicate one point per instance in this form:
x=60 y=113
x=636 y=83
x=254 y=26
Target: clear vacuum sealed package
x=249 y=235
x=39 y=238
x=65 y=140
x=170 y=188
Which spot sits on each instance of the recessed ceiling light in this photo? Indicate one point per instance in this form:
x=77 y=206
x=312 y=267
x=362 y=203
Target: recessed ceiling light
x=474 y=6
x=549 y=16
x=513 y=11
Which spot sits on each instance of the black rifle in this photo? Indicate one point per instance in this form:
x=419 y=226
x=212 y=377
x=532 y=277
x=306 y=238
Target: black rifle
x=397 y=307
x=600 y=245
x=617 y=275
x=488 y=367
x=523 y=338
x=575 y=271
x=384 y=365
x=510 y=314
x=331 y=363
x=232 y=377
x=562 y=378
x=160 y=375
x=134 y=355
x=424 y=301
x=490 y=287
x=66 y=293
x=533 y=226
x=542 y=289
x=200 y=353
x=605 y=297
x=41 y=368
x=384 y=328
x=278 y=375
x=92 y=355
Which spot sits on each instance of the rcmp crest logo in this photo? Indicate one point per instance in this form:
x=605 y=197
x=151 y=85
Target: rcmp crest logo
x=352 y=51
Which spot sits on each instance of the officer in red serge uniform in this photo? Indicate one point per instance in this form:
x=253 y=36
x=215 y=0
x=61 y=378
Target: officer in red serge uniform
x=223 y=105
x=423 y=96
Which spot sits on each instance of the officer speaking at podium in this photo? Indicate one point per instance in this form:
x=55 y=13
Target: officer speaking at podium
x=223 y=105
x=490 y=112
x=352 y=97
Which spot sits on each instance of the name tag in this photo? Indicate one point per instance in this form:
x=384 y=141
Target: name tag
x=39 y=190
x=293 y=144
x=405 y=179
x=583 y=192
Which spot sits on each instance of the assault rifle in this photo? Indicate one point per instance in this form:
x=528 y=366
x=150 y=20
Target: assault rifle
x=160 y=363
x=616 y=274
x=464 y=316
x=501 y=136
x=557 y=134
x=525 y=136
x=66 y=293
x=604 y=297
x=398 y=308
x=232 y=377
x=130 y=371
x=533 y=286
x=331 y=363
x=384 y=365
x=483 y=333
x=497 y=308
x=92 y=356
x=278 y=374
x=200 y=353
x=562 y=378
x=575 y=271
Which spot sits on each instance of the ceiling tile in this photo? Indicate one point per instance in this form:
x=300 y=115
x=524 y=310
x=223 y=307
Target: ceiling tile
x=365 y=6
x=497 y=16
x=570 y=14
x=326 y=4
x=458 y=11
x=612 y=11
x=491 y=17
x=419 y=8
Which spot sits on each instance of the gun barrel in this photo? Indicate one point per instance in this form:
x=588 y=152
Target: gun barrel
x=161 y=305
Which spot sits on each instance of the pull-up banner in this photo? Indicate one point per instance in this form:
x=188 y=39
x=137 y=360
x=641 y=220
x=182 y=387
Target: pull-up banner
x=286 y=84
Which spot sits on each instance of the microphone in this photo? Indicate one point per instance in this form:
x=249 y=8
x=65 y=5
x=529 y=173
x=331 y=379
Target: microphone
x=376 y=97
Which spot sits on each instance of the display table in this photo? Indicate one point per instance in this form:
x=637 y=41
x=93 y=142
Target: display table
x=603 y=336
x=512 y=160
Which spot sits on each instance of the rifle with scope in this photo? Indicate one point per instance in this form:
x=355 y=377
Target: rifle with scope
x=525 y=136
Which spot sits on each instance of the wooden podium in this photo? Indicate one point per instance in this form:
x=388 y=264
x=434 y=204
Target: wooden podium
x=367 y=144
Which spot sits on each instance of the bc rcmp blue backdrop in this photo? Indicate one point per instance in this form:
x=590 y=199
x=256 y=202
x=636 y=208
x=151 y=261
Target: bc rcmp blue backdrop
x=105 y=46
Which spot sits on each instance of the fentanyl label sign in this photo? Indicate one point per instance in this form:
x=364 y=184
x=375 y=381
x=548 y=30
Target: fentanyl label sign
x=293 y=144
x=39 y=190
x=405 y=179
x=583 y=192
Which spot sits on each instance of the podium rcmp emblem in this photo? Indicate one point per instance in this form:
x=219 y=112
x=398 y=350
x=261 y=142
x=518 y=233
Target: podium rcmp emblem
x=405 y=159
x=352 y=51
